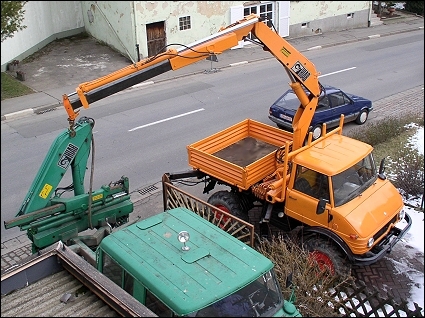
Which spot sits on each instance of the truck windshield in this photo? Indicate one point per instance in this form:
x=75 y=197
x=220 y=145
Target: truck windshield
x=353 y=181
x=260 y=298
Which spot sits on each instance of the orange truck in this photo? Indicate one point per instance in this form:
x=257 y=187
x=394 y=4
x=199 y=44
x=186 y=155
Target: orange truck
x=328 y=194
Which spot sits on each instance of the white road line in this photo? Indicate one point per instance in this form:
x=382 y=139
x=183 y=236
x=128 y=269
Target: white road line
x=166 y=119
x=347 y=69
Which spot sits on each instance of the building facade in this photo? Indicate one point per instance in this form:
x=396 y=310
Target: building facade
x=139 y=29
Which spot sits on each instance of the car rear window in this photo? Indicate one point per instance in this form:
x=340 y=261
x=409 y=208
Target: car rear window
x=288 y=101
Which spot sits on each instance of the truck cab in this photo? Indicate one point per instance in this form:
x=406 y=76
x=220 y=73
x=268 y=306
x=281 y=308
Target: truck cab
x=177 y=263
x=335 y=186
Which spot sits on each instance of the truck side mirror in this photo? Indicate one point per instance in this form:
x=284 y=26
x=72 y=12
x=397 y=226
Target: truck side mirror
x=321 y=206
x=381 y=173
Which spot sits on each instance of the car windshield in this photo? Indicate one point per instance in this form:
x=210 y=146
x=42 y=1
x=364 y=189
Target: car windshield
x=353 y=181
x=261 y=298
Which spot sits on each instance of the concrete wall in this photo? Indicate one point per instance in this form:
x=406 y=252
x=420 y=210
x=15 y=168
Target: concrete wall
x=313 y=17
x=45 y=21
x=129 y=19
x=122 y=24
x=206 y=17
x=112 y=22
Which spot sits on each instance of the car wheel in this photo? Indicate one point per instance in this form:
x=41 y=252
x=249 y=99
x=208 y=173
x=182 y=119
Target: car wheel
x=317 y=131
x=361 y=119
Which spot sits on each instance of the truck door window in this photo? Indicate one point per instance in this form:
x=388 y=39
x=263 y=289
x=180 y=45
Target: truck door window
x=112 y=269
x=157 y=306
x=128 y=283
x=312 y=183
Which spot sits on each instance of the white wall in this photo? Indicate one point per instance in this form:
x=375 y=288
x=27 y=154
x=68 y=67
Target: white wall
x=315 y=17
x=304 y=11
x=122 y=24
x=113 y=24
x=129 y=19
x=45 y=21
x=206 y=18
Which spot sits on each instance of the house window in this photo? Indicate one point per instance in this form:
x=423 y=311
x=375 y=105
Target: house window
x=265 y=11
x=184 y=23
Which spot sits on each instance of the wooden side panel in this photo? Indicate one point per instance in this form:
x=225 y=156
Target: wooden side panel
x=219 y=155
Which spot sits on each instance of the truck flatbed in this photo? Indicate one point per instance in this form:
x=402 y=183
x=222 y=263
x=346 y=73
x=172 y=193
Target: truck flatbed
x=241 y=155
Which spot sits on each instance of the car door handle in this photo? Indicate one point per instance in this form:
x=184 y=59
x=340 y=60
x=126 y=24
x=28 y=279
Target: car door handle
x=292 y=198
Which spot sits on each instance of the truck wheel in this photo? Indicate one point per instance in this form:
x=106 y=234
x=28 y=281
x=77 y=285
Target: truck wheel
x=361 y=119
x=228 y=202
x=326 y=254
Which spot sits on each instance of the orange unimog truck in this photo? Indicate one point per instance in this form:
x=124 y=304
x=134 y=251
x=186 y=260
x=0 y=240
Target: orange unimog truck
x=327 y=193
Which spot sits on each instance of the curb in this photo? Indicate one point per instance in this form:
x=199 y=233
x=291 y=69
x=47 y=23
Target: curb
x=36 y=110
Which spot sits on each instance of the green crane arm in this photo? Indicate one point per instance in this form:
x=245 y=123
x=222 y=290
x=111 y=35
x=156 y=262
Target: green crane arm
x=65 y=152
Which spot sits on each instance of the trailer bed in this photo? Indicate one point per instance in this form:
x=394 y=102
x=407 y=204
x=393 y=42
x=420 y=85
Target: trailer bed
x=240 y=155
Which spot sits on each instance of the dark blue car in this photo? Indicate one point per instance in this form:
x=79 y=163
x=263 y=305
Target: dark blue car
x=333 y=102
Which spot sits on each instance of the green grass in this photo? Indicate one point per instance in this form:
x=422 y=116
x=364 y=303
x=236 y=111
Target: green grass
x=11 y=87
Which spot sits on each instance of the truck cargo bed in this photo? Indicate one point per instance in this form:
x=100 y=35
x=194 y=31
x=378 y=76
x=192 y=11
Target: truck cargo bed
x=240 y=155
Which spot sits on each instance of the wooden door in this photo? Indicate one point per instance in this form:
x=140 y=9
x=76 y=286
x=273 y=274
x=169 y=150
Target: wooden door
x=156 y=38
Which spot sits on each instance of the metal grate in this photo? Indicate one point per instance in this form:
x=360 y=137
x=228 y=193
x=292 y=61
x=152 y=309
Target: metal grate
x=148 y=190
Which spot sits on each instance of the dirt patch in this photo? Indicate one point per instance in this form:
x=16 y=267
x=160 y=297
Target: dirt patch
x=70 y=61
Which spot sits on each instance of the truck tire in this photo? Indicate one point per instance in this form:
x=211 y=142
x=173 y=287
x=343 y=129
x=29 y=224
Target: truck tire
x=228 y=202
x=325 y=253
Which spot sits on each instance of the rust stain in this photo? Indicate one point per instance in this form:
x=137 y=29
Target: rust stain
x=139 y=7
x=182 y=8
x=211 y=8
x=151 y=5
x=151 y=8
x=323 y=7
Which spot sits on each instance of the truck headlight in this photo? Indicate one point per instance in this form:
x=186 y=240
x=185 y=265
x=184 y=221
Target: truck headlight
x=401 y=214
x=370 y=242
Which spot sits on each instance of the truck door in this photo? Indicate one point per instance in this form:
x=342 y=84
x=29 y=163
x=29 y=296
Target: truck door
x=303 y=196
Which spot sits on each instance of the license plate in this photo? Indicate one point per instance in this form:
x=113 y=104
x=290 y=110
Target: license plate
x=287 y=118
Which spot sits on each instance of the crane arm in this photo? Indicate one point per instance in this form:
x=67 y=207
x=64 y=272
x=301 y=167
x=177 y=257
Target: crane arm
x=301 y=71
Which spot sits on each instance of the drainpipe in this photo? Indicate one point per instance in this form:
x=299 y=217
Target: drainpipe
x=135 y=32
x=370 y=13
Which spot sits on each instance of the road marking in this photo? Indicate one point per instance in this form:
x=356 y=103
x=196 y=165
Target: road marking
x=314 y=48
x=344 y=70
x=166 y=119
x=238 y=63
